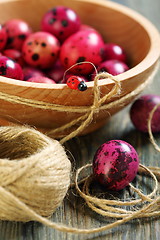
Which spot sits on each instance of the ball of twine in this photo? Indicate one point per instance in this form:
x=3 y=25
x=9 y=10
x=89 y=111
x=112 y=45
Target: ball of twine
x=34 y=173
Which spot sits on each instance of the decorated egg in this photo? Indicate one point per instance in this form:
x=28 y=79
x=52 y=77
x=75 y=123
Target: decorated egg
x=41 y=50
x=61 y=21
x=17 y=30
x=114 y=51
x=140 y=110
x=115 y=164
x=82 y=46
x=10 y=69
x=113 y=67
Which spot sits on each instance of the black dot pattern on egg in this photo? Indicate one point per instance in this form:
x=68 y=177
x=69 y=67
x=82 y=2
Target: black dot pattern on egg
x=35 y=57
x=22 y=36
x=66 y=61
x=29 y=43
x=54 y=11
x=80 y=59
x=64 y=23
x=103 y=69
x=43 y=44
x=51 y=21
x=3 y=70
x=10 y=40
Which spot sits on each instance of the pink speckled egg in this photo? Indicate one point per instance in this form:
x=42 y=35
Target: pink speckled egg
x=115 y=164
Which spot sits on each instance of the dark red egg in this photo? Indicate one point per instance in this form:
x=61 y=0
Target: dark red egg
x=140 y=110
x=113 y=67
x=114 y=51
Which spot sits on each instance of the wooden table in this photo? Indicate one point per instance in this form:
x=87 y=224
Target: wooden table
x=73 y=210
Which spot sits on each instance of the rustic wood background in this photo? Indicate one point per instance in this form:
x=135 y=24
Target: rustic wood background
x=74 y=211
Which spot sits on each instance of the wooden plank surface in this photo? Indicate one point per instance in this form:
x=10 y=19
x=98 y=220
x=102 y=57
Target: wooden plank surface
x=74 y=211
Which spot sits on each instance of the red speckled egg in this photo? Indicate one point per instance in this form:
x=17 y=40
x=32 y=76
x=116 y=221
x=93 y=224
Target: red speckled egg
x=17 y=31
x=115 y=164
x=140 y=110
x=61 y=21
x=82 y=46
x=10 y=69
x=41 y=50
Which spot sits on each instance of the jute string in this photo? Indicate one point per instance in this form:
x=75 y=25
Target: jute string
x=32 y=169
x=86 y=111
x=35 y=171
x=35 y=176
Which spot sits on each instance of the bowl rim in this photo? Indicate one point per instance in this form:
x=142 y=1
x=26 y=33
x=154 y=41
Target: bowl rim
x=149 y=60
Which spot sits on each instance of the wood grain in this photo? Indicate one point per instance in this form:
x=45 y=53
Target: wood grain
x=74 y=211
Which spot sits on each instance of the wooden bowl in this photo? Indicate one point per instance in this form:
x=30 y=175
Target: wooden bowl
x=116 y=23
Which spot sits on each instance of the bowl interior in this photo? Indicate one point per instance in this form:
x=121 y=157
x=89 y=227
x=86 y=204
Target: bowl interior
x=114 y=25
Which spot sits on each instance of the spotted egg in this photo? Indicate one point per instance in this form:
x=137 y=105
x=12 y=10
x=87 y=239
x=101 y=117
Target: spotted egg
x=41 y=50
x=82 y=46
x=140 y=111
x=115 y=164
x=10 y=69
x=17 y=31
x=61 y=21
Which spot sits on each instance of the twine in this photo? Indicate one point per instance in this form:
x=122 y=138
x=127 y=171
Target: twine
x=35 y=176
x=35 y=172
x=87 y=111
